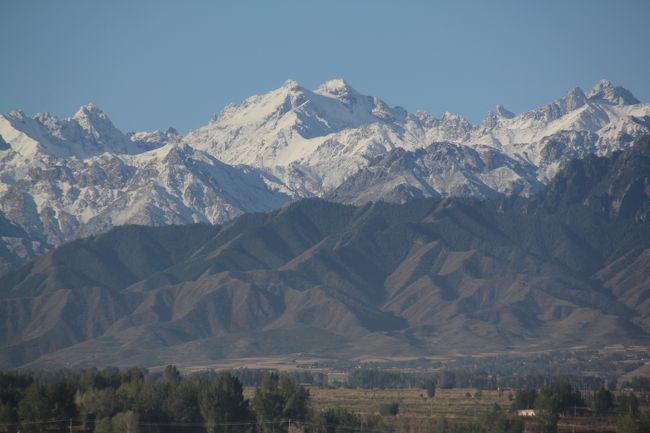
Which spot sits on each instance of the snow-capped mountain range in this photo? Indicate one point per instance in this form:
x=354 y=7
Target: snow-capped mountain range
x=64 y=179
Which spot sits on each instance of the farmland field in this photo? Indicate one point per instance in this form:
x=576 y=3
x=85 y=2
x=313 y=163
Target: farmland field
x=420 y=414
x=412 y=402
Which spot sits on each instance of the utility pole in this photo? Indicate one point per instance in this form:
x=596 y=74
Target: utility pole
x=70 y=425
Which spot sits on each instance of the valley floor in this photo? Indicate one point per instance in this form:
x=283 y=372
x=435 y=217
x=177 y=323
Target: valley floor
x=418 y=414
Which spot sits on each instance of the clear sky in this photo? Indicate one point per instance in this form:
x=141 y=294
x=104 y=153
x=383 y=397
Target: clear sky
x=154 y=64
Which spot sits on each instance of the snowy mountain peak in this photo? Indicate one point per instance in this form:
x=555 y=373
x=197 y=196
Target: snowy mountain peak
x=93 y=133
x=291 y=123
x=88 y=133
x=17 y=115
x=291 y=85
x=92 y=119
x=575 y=98
x=45 y=117
x=335 y=87
x=87 y=109
x=450 y=117
x=504 y=112
x=493 y=118
x=572 y=100
x=339 y=89
x=604 y=90
x=455 y=120
x=152 y=140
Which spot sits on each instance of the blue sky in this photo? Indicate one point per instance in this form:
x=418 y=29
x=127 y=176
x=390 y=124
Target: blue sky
x=154 y=64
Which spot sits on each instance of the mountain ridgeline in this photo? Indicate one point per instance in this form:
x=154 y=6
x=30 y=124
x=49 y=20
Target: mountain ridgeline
x=567 y=267
x=65 y=179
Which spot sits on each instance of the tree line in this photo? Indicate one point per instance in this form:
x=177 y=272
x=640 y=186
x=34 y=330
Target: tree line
x=135 y=400
x=561 y=398
x=448 y=379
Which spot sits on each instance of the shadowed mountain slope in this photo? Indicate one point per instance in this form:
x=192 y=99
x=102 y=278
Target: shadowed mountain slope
x=567 y=267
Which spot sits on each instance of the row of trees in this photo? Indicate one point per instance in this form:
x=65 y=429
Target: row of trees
x=136 y=401
x=253 y=377
x=448 y=379
x=562 y=399
x=110 y=401
x=366 y=378
x=565 y=398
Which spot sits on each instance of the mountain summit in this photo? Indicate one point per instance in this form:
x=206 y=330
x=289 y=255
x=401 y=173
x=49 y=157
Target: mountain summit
x=606 y=91
x=289 y=124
